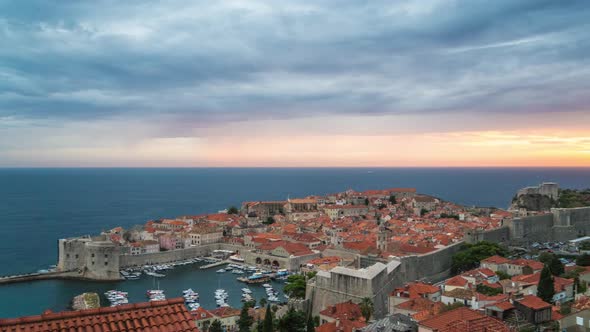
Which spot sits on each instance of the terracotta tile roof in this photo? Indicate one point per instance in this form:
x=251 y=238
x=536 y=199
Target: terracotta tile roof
x=341 y=326
x=561 y=283
x=415 y=290
x=170 y=315
x=325 y=260
x=502 y=305
x=496 y=285
x=496 y=260
x=555 y=314
x=343 y=311
x=534 y=302
x=415 y=249
x=420 y=304
x=463 y=320
x=201 y=314
x=223 y=312
x=536 y=266
x=456 y=281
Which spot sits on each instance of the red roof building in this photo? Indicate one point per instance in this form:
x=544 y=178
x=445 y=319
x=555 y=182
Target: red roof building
x=463 y=320
x=170 y=315
x=341 y=311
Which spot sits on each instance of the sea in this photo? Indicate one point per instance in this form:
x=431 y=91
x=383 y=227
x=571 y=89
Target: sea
x=38 y=206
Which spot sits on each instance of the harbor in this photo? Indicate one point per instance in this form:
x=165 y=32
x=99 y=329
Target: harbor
x=32 y=298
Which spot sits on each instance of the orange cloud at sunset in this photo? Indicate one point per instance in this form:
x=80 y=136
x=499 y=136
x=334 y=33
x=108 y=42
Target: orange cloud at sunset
x=442 y=149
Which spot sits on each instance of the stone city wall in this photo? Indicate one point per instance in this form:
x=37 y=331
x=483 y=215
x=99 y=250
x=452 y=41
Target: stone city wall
x=176 y=255
x=331 y=287
x=498 y=235
x=531 y=229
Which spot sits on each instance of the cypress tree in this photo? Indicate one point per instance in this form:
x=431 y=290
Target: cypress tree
x=546 y=290
x=267 y=325
x=556 y=266
x=310 y=326
x=245 y=321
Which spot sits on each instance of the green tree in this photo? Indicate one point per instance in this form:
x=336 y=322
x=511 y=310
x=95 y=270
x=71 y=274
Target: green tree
x=296 y=286
x=215 y=326
x=582 y=287
x=366 y=201
x=556 y=266
x=262 y=302
x=545 y=257
x=392 y=199
x=545 y=289
x=487 y=290
x=293 y=321
x=470 y=255
x=245 y=321
x=366 y=308
x=502 y=275
x=259 y=326
x=310 y=325
x=267 y=325
x=584 y=245
x=232 y=210
x=269 y=220
x=423 y=212
x=583 y=260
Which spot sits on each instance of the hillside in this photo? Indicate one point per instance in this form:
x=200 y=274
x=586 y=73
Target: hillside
x=569 y=198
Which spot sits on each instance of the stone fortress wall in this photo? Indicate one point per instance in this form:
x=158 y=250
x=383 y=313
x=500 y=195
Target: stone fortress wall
x=376 y=282
x=550 y=189
x=558 y=225
x=379 y=280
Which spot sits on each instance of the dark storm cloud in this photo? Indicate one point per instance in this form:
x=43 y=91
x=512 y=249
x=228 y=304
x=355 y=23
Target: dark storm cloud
x=242 y=60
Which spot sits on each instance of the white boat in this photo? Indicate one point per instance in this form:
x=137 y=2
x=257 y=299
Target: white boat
x=220 y=271
x=266 y=286
x=155 y=274
x=247 y=290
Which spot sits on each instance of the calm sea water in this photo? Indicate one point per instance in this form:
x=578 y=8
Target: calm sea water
x=39 y=206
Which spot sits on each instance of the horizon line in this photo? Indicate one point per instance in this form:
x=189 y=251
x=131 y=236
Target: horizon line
x=284 y=167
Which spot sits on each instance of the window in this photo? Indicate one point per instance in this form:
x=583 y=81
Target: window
x=67 y=255
x=92 y=262
x=106 y=263
x=92 y=255
x=106 y=256
x=76 y=255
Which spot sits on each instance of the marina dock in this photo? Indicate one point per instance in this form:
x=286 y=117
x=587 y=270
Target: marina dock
x=39 y=276
x=208 y=266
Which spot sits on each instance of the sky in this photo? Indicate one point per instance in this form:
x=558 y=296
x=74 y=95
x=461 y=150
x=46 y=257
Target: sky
x=428 y=83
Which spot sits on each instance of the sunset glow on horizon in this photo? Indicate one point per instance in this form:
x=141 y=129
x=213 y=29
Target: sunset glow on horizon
x=416 y=83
